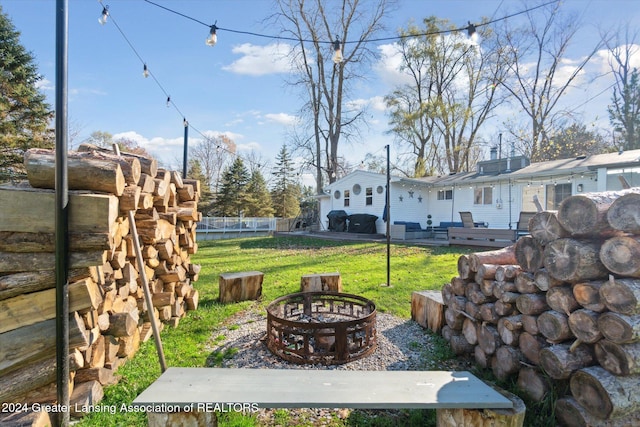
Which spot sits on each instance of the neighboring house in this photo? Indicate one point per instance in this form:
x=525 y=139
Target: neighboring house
x=495 y=193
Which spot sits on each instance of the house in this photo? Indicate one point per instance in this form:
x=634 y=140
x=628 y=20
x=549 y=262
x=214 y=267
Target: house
x=495 y=193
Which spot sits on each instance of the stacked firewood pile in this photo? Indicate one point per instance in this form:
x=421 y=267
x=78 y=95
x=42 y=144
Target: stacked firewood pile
x=108 y=315
x=560 y=309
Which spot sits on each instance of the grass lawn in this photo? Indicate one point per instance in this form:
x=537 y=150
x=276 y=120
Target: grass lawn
x=283 y=260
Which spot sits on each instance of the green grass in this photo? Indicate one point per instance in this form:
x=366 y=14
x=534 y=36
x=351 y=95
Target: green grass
x=283 y=260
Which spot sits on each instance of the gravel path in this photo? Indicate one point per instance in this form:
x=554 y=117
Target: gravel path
x=402 y=345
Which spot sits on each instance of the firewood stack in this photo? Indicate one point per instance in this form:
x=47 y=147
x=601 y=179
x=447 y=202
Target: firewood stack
x=560 y=307
x=108 y=315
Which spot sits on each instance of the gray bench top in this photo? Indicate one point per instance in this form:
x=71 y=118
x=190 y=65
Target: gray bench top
x=303 y=388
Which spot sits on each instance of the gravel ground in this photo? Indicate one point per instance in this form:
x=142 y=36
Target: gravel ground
x=402 y=345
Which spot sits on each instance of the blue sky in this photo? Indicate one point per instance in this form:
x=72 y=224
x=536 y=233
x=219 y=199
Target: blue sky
x=236 y=88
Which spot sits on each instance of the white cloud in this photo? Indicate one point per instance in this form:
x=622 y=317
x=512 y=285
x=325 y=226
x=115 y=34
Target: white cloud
x=261 y=60
x=84 y=91
x=375 y=103
x=604 y=57
x=281 y=118
x=45 y=84
x=388 y=67
x=251 y=146
x=168 y=151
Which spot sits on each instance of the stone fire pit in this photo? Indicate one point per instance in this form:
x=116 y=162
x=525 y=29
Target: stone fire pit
x=326 y=328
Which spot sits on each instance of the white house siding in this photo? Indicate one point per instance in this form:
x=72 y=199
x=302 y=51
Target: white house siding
x=357 y=202
x=511 y=192
x=414 y=206
x=411 y=208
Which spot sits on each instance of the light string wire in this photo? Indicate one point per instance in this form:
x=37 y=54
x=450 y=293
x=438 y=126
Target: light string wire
x=381 y=39
x=170 y=101
x=221 y=147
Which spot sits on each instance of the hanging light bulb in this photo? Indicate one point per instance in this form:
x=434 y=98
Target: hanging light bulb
x=474 y=37
x=213 y=38
x=471 y=29
x=337 y=52
x=105 y=13
x=145 y=71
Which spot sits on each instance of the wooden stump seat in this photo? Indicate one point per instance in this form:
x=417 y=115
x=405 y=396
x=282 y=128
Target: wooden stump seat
x=240 y=286
x=323 y=282
x=427 y=308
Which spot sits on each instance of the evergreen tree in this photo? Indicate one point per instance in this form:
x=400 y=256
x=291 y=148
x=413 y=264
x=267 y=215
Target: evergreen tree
x=233 y=198
x=286 y=192
x=206 y=202
x=24 y=114
x=259 y=197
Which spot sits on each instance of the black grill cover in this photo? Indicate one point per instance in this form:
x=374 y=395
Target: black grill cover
x=362 y=223
x=337 y=220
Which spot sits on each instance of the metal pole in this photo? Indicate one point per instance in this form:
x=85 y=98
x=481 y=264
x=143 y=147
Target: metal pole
x=388 y=204
x=62 y=215
x=186 y=149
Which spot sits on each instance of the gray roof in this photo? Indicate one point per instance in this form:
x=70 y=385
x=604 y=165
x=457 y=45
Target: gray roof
x=577 y=165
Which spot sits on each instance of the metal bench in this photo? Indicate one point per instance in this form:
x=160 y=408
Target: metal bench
x=191 y=390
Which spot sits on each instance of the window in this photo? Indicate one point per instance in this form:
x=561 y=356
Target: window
x=445 y=194
x=556 y=193
x=483 y=196
x=369 y=196
x=356 y=189
x=346 y=198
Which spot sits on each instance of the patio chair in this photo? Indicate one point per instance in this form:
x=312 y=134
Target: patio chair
x=468 y=222
x=467 y=219
x=522 y=229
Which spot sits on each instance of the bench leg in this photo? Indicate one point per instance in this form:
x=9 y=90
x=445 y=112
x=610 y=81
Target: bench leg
x=455 y=417
x=183 y=419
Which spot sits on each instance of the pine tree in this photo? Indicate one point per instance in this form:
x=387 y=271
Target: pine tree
x=206 y=202
x=286 y=192
x=24 y=114
x=233 y=198
x=260 y=204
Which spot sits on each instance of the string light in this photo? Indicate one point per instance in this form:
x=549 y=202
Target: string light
x=471 y=29
x=103 y=17
x=337 y=52
x=213 y=38
x=337 y=46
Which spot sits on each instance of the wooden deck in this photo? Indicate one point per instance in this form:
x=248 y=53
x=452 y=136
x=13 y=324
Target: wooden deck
x=492 y=237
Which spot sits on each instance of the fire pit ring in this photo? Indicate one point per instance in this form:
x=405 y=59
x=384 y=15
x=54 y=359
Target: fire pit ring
x=328 y=328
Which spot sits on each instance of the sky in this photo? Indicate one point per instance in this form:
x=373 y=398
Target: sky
x=237 y=88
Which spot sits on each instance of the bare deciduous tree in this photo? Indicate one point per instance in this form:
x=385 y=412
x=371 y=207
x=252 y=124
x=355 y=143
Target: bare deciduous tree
x=213 y=155
x=540 y=70
x=321 y=27
x=451 y=93
x=624 y=110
